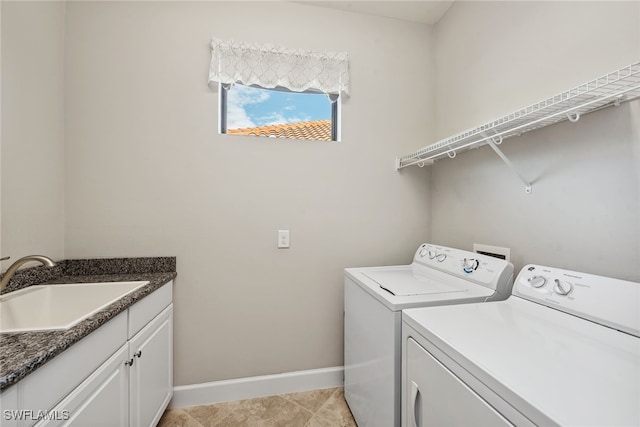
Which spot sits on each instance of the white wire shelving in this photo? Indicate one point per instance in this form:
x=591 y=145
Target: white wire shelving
x=611 y=89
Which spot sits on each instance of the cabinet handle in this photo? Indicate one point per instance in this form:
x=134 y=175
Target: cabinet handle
x=129 y=362
x=137 y=354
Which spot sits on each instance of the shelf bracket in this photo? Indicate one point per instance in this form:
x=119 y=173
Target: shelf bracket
x=492 y=144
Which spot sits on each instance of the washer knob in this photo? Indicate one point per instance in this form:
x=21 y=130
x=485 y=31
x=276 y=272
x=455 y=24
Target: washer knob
x=469 y=265
x=562 y=288
x=422 y=252
x=537 y=281
x=441 y=257
x=432 y=254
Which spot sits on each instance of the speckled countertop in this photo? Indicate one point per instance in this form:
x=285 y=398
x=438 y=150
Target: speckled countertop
x=23 y=352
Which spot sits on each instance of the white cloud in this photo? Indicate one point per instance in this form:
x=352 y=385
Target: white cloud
x=277 y=118
x=237 y=98
x=271 y=113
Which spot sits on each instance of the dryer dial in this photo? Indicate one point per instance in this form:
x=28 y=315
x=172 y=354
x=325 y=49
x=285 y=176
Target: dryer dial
x=469 y=265
x=432 y=253
x=562 y=288
x=537 y=281
x=441 y=257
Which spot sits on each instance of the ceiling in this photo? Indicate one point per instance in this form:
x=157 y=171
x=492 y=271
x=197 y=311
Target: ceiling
x=423 y=11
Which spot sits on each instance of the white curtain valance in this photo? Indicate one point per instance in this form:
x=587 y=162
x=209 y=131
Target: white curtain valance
x=271 y=66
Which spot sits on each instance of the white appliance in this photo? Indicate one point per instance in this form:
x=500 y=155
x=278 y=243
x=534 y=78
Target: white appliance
x=563 y=350
x=374 y=297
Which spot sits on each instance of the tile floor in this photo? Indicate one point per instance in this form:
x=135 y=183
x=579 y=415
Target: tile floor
x=316 y=408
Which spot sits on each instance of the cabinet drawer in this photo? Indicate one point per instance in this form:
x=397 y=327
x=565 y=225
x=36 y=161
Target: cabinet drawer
x=46 y=387
x=145 y=310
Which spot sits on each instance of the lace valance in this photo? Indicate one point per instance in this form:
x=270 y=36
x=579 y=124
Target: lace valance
x=271 y=66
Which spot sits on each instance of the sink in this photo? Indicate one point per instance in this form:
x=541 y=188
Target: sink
x=51 y=307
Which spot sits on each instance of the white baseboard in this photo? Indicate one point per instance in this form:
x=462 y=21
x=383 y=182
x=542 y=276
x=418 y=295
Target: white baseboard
x=251 y=387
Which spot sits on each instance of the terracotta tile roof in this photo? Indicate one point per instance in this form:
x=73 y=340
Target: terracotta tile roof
x=319 y=130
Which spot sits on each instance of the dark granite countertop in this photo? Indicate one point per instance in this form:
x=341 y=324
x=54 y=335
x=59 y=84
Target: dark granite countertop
x=23 y=352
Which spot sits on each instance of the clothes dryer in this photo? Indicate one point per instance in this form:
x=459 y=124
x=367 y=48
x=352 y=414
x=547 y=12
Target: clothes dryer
x=563 y=350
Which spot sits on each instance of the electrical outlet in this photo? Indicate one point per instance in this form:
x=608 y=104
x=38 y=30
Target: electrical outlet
x=283 y=239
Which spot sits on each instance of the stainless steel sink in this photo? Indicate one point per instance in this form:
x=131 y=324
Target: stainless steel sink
x=50 y=307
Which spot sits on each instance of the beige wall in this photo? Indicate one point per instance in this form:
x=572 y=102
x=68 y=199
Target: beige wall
x=32 y=129
x=0 y=132
x=147 y=174
x=495 y=57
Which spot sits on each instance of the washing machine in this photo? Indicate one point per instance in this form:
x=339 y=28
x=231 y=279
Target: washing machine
x=563 y=350
x=373 y=300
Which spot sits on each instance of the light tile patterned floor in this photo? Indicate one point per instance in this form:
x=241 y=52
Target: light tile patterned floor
x=316 y=408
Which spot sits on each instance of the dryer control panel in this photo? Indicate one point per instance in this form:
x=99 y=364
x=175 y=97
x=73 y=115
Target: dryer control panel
x=610 y=302
x=484 y=270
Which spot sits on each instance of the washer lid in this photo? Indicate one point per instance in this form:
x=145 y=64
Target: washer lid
x=407 y=282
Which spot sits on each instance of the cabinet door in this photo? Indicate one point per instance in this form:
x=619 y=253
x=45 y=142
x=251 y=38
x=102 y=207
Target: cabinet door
x=101 y=400
x=436 y=397
x=9 y=407
x=151 y=375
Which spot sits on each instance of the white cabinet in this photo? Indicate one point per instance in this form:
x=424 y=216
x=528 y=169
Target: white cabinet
x=8 y=403
x=119 y=375
x=151 y=373
x=101 y=400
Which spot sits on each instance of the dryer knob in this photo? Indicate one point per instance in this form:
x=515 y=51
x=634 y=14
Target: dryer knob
x=537 y=281
x=432 y=254
x=469 y=265
x=441 y=257
x=422 y=252
x=562 y=288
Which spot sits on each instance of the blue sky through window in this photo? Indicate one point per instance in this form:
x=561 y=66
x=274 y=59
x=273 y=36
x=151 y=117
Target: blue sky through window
x=250 y=107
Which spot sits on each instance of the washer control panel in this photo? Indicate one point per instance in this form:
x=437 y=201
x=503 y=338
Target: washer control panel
x=482 y=269
x=611 y=302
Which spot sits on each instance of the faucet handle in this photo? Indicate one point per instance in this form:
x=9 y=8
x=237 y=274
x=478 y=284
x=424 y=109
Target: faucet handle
x=5 y=258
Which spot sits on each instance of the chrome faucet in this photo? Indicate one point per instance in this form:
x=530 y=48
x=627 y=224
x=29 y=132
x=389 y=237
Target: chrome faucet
x=14 y=267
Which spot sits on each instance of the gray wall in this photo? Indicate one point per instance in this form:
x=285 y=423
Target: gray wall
x=32 y=172
x=496 y=57
x=147 y=174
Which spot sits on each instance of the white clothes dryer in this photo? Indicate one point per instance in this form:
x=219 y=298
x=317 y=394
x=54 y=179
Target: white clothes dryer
x=374 y=298
x=563 y=350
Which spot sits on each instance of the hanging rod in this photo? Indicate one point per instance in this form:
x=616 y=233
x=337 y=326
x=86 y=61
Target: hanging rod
x=619 y=86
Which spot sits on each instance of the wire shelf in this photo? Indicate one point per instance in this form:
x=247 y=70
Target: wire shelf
x=611 y=89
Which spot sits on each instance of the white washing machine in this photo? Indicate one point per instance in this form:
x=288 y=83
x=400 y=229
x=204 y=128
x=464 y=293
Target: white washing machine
x=374 y=298
x=563 y=350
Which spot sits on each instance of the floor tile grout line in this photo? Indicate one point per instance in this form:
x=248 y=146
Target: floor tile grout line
x=328 y=399
x=192 y=418
x=297 y=404
x=320 y=407
x=300 y=406
x=317 y=414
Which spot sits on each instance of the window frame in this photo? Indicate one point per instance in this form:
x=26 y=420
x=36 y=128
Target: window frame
x=335 y=109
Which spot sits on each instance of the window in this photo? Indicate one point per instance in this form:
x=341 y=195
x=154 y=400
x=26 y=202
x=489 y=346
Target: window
x=276 y=91
x=280 y=113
